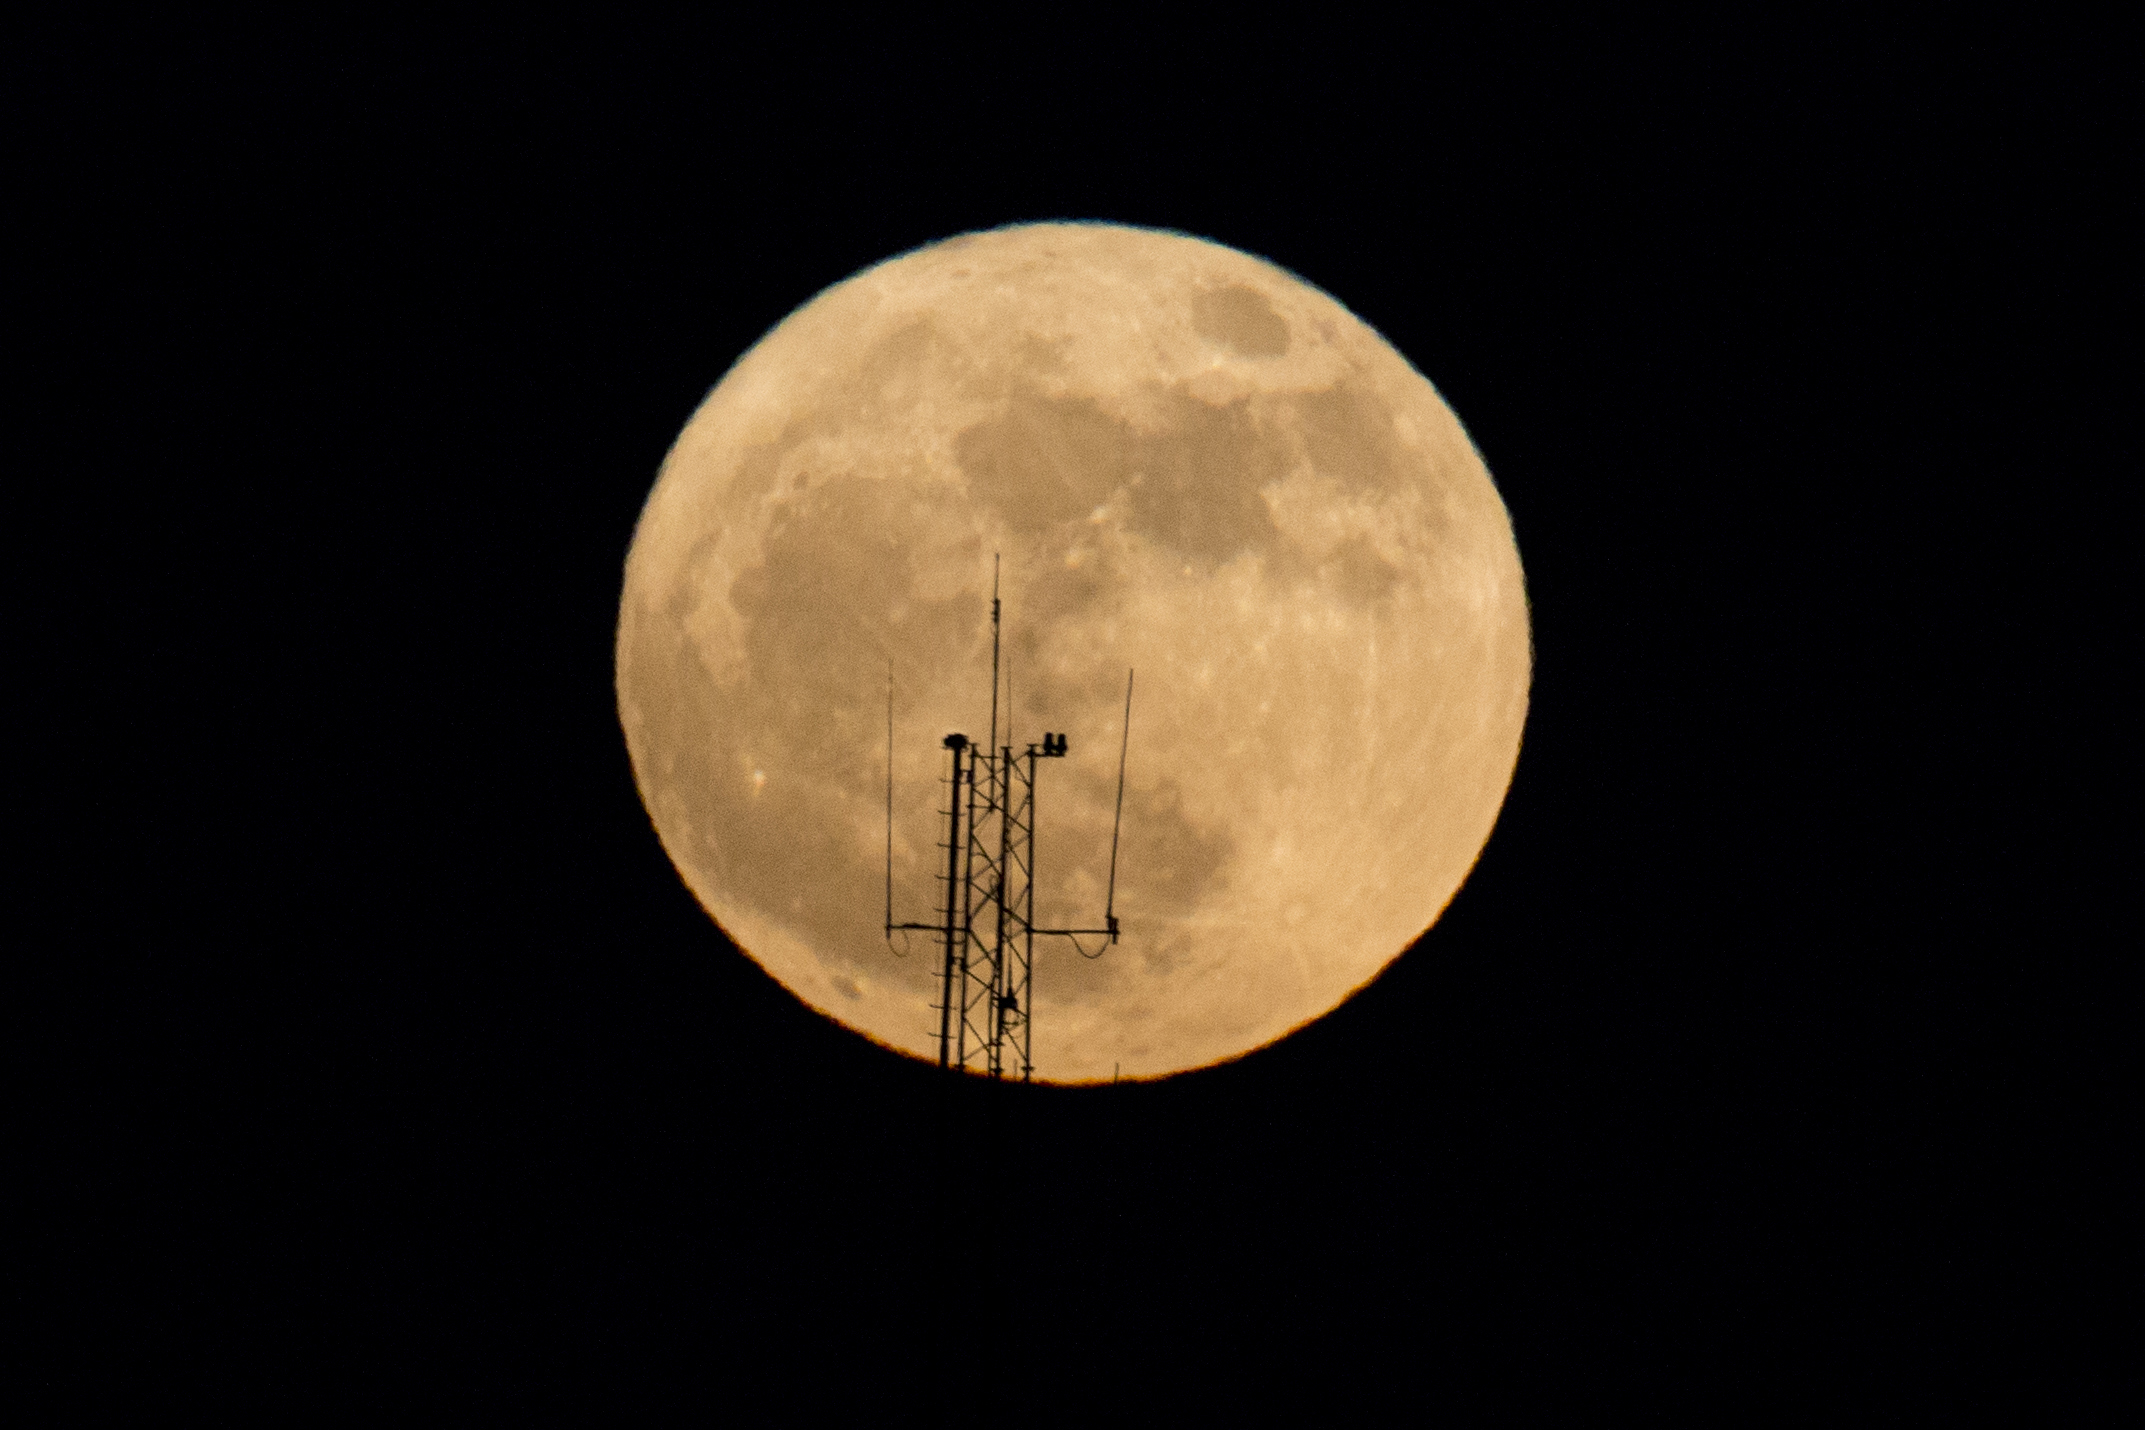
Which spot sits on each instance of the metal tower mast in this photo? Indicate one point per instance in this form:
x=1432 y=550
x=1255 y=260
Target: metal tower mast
x=987 y=927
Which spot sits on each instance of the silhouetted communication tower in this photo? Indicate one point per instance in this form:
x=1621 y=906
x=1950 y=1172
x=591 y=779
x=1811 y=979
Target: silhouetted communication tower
x=986 y=1008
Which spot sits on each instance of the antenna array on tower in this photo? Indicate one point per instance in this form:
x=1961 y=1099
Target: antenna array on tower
x=987 y=929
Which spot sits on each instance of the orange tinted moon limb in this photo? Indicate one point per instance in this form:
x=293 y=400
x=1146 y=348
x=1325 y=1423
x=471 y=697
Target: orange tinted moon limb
x=1190 y=463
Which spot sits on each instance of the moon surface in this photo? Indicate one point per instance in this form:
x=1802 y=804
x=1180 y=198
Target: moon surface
x=1193 y=464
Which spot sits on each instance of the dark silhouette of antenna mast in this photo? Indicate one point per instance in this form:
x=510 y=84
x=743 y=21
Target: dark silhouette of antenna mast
x=987 y=927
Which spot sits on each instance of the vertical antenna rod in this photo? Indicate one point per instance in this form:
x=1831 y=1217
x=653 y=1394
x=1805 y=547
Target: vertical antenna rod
x=1109 y=915
x=890 y=800
x=993 y=745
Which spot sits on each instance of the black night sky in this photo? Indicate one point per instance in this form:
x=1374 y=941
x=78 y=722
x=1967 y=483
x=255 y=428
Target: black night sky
x=393 y=1056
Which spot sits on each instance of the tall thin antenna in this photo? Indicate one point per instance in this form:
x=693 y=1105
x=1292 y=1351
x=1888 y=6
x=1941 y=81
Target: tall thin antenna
x=1109 y=908
x=890 y=801
x=993 y=747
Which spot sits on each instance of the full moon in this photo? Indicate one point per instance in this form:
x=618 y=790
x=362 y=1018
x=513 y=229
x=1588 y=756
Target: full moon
x=1188 y=463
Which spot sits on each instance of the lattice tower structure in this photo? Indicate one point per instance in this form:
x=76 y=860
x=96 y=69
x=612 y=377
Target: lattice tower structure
x=987 y=927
